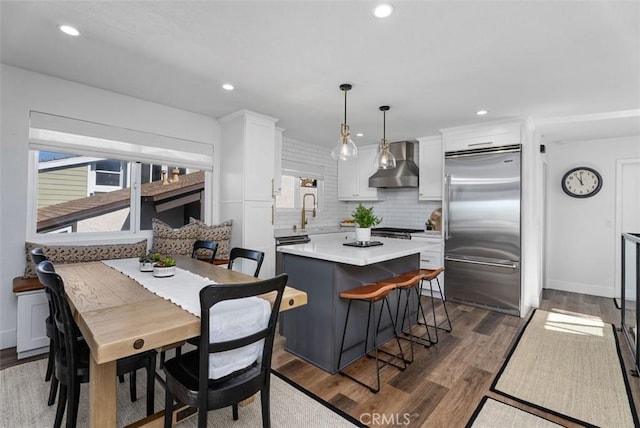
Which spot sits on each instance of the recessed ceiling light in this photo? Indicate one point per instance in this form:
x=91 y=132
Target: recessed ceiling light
x=69 y=30
x=359 y=134
x=482 y=112
x=227 y=87
x=382 y=10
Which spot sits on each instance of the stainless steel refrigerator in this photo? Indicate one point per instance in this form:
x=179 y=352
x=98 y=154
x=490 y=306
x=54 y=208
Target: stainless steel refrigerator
x=482 y=227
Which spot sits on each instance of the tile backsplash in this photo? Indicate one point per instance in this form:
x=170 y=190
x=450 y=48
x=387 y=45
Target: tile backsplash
x=400 y=207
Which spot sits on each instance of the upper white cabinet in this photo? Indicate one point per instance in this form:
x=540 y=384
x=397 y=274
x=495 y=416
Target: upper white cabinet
x=482 y=136
x=353 y=176
x=277 y=178
x=430 y=167
x=247 y=190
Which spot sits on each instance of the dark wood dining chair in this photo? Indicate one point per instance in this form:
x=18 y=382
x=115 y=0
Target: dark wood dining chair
x=244 y=253
x=201 y=247
x=187 y=377
x=37 y=256
x=72 y=355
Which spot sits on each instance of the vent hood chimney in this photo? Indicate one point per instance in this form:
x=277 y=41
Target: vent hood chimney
x=405 y=174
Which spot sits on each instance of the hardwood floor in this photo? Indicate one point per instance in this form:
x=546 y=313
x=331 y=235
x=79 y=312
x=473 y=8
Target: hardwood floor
x=445 y=383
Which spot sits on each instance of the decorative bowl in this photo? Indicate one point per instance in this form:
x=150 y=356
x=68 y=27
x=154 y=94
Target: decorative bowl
x=146 y=267
x=164 y=271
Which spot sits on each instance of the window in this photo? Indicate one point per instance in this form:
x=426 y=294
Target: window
x=84 y=184
x=293 y=192
x=301 y=185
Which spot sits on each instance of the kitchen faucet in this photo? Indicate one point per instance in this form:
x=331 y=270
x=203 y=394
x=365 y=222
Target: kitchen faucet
x=304 y=209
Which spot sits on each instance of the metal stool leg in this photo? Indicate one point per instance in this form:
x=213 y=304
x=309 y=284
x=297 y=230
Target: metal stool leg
x=435 y=325
x=379 y=362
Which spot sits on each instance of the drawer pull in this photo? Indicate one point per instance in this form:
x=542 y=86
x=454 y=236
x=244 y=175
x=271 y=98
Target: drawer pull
x=138 y=344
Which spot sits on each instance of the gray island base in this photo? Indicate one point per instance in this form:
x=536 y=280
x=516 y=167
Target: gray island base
x=314 y=331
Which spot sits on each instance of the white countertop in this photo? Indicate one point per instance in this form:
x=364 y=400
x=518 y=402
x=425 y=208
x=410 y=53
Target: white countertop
x=332 y=250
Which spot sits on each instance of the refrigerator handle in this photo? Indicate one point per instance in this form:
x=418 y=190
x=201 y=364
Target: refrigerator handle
x=447 y=198
x=511 y=265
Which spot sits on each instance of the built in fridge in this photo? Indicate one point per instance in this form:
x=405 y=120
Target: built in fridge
x=482 y=227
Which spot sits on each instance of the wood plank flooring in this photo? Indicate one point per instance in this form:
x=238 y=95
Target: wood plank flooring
x=444 y=384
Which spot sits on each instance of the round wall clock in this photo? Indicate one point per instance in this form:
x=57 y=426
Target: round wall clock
x=581 y=182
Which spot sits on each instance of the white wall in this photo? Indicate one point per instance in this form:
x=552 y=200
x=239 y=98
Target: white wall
x=23 y=91
x=581 y=237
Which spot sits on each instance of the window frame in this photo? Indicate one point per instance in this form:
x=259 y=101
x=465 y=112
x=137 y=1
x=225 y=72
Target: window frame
x=133 y=234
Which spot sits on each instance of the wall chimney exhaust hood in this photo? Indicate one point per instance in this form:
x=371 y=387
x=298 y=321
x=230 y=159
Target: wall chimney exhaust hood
x=405 y=174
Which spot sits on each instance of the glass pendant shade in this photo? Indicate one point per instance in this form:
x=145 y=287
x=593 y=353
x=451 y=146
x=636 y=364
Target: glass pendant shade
x=384 y=158
x=345 y=148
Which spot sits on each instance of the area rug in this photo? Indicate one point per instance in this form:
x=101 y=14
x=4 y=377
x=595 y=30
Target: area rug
x=569 y=365
x=491 y=413
x=24 y=393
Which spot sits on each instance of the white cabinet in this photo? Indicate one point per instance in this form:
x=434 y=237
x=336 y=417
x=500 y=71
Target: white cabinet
x=247 y=191
x=277 y=171
x=431 y=258
x=430 y=167
x=33 y=310
x=353 y=176
x=482 y=136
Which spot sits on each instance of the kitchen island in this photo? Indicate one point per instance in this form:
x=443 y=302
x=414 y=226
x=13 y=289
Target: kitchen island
x=323 y=270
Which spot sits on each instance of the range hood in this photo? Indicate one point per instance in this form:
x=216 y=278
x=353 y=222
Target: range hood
x=405 y=174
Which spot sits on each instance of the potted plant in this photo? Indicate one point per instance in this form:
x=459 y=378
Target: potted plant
x=146 y=262
x=166 y=266
x=365 y=219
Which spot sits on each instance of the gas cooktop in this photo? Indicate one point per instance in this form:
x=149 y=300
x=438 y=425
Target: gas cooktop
x=393 y=232
x=363 y=244
x=395 y=229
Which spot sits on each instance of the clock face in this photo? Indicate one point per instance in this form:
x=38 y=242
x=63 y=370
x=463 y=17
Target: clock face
x=581 y=182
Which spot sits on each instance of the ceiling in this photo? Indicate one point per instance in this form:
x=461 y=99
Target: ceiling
x=434 y=62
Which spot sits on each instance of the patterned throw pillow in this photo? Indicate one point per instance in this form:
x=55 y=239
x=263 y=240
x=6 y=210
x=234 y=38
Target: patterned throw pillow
x=170 y=241
x=220 y=233
x=83 y=253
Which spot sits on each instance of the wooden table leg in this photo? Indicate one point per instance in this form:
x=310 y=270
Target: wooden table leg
x=102 y=394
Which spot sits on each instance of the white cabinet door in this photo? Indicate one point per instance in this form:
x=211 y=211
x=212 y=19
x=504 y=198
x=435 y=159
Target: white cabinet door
x=277 y=170
x=366 y=155
x=347 y=179
x=431 y=158
x=482 y=136
x=258 y=235
x=33 y=310
x=353 y=176
x=259 y=166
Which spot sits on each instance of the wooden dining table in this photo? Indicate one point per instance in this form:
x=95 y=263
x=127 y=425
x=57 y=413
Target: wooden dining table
x=118 y=317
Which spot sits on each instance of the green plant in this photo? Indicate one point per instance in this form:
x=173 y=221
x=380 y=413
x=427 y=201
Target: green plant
x=165 y=262
x=147 y=258
x=364 y=217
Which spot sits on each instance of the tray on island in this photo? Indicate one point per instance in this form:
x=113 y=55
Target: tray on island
x=362 y=244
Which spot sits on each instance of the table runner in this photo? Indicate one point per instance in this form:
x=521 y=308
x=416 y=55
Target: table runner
x=228 y=320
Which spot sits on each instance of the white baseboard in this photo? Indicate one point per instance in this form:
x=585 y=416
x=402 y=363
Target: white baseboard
x=577 y=287
x=8 y=339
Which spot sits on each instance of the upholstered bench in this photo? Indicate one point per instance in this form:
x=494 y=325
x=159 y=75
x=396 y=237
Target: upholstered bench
x=33 y=308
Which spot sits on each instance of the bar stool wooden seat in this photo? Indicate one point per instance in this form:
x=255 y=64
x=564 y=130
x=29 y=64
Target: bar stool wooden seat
x=371 y=294
x=430 y=275
x=405 y=283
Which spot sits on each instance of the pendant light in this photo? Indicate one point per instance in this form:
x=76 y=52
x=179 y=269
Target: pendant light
x=345 y=148
x=384 y=159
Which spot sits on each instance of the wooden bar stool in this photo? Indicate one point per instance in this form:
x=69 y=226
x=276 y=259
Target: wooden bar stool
x=430 y=275
x=405 y=283
x=371 y=294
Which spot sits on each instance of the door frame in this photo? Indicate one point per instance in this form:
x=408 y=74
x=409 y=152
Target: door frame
x=620 y=164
